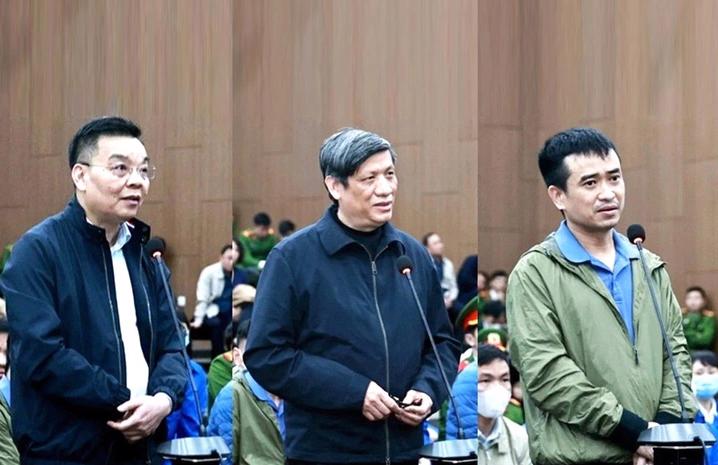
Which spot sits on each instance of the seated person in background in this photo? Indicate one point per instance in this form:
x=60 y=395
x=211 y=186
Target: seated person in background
x=444 y=270
x=8 y=451
x=258 y=418
x=220 y=416
x=186 y=422
x=258 y=241
x=242 y=302
x=515 y=410
x=220 y=369
x=468 y=324
x=705 y=388
x=501 y=441
x=482 y=285
x=213 y=312
x=286 y=228
x=497 y=285
x=493 y=315
x=466 y=280
x=699 y=325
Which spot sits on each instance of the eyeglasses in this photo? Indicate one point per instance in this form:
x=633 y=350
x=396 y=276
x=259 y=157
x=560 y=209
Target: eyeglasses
x=122 y=170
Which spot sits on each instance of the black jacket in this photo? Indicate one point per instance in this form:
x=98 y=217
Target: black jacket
x=68 y=366
x=327 y=320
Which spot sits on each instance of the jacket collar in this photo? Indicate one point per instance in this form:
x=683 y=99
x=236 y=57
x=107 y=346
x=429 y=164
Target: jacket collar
x=334 y=238
x=76 y=214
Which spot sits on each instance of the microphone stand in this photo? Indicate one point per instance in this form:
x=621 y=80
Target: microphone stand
x=159 y=262
x=679 y=443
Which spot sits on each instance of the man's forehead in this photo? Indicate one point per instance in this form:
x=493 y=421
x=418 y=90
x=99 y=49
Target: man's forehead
x=496 y=367
x=581 y=163
x=121 y=147
x=380 y=161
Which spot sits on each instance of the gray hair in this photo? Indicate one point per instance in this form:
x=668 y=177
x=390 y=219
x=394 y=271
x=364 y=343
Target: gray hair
x=343 y=152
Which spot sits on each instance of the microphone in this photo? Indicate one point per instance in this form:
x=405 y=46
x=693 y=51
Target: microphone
x=405 y=265
x=636 y=234
x=155 y=247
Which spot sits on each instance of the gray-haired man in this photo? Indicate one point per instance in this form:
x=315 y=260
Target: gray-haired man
x=335 y=331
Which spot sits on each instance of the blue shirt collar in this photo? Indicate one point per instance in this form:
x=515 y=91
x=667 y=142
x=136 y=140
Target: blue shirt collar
x=574 y=252
x=260 y=392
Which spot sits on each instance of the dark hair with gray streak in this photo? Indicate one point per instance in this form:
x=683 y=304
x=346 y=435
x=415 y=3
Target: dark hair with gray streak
x=343 y=152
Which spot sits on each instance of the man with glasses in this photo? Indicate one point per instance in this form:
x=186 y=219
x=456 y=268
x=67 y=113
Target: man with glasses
x=97 y=364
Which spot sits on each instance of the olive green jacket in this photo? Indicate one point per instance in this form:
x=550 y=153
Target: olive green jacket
x=8 y=451
x=255 y=434
x=578 y=367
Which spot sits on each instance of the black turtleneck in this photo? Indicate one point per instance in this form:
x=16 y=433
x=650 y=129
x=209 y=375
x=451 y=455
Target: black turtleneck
x=369 y=239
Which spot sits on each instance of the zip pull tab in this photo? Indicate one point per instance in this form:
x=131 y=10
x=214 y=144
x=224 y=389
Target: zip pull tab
x=373 y=268
x=388 y=461
x=635 y=354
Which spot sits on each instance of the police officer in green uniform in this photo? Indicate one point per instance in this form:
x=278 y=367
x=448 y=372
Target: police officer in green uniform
x=699 y=324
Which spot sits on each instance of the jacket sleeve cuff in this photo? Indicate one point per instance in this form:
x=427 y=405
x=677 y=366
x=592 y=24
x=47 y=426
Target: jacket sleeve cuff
x=168 y=392
x=626 y=433
x=664 y=418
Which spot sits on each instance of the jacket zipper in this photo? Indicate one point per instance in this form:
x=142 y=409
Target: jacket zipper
x=120 y=354
x=374 y=274
x=149 y=312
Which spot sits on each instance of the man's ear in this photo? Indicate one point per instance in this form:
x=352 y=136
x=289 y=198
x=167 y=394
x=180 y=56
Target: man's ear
x=79 y=175
x=334 y=187
x=558 y=197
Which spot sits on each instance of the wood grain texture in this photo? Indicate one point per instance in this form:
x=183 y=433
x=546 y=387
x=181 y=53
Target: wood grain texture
x=406 y=69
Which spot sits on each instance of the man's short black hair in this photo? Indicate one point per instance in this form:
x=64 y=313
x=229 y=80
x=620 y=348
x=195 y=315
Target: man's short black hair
x=575 y=141
x=498 y=273
x=706 y=357
x=494 y=308
x=242 y=333
x=262 y=219
x=487 y=353
x=286 y=227
x=225 y=248
x=698 y=289
x=84 y=141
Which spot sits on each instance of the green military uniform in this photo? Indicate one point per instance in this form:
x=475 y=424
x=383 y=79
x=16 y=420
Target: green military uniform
x=5 y=256
x=699 y=329
x=256 y=248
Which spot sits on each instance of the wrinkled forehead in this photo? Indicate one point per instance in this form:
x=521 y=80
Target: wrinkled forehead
x=121 y=148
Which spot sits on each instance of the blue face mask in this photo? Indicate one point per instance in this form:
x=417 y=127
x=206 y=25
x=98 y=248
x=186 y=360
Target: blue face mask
x=705 y=386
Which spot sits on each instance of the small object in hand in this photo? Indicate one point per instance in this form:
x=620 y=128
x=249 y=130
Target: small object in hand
x=405 y=405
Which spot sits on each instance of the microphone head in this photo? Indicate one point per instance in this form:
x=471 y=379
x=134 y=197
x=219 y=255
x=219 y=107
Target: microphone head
x=404 y=264
x=635 y=233
x=155 y=245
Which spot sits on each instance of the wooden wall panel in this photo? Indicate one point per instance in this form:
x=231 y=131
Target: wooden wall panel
x=633 y=70
x=405 y=69
x=167 y=65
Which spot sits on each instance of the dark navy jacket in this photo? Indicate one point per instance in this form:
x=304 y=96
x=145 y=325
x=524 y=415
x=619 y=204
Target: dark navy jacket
x=317 y=339
x=68 y=366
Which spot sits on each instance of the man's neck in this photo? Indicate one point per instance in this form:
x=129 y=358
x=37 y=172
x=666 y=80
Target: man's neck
x=486 y=425
x=597 y=243
x=111 y=230
x=351 y=224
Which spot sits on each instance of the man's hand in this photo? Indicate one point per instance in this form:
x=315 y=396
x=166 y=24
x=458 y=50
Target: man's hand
x=419 y=409
x=195 y=324
x=644 y=454
x=142 y=416
x=378 y=404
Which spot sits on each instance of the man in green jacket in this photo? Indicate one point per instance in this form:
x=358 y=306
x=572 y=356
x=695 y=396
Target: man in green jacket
x=258 y=241
x=584 y=334
x=699 y=322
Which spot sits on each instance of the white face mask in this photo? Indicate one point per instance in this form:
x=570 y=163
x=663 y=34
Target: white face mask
x=493 y=401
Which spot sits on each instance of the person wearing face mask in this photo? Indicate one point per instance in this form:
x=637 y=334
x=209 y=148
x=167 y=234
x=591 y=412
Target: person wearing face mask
x=500 y=440
x=705 y=387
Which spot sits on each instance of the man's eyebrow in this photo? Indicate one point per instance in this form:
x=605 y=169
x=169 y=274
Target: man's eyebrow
x=125 y=157
x=586 y=177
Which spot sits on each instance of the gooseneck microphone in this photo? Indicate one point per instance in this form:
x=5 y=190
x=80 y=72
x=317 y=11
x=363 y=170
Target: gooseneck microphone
x=405 y=265
x=636 y=234
x=155 y=247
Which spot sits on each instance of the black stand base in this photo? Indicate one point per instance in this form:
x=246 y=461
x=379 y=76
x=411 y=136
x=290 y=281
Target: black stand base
x=678 y=456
